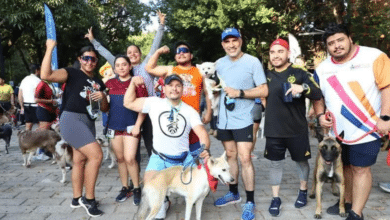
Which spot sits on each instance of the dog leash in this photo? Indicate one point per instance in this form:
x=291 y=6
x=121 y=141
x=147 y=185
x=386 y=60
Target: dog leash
x=195 y=155
x=330 y=116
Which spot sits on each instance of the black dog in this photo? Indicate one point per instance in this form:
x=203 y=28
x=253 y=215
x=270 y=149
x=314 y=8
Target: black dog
x=5 y=134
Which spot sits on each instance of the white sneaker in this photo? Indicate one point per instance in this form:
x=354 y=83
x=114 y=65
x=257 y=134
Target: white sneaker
x=162 y=213
x=385 y=186
x=41 y=157
x=44 y=157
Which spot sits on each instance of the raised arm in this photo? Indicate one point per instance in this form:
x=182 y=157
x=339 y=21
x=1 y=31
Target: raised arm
x=100 y=49
x=47 y=73
x=152 y=68
x=130 y=100
x=157 y=38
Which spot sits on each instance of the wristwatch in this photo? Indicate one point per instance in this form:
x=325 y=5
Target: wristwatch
x=242 y=94
x=385 y=117
x=305 y=87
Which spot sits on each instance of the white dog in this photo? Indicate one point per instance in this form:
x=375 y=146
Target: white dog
x=169 y=180
x=212 y=82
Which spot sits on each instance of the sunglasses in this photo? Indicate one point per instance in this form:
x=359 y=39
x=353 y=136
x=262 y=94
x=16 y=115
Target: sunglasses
x=182 y=49
x=89 y=58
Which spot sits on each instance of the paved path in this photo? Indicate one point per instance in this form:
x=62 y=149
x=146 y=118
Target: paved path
x=36 y=193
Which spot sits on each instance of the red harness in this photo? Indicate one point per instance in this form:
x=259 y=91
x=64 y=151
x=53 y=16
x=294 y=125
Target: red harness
x=213 y=182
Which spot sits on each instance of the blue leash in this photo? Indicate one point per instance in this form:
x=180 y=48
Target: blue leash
x=196 y=155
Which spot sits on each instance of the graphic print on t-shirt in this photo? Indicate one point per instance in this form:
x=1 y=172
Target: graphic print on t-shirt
x=174 y=128
x=189 y=88
x=90 y=89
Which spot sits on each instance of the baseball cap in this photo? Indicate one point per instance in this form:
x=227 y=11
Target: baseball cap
x=230 y=32
x=281 y=42
x=169 y=79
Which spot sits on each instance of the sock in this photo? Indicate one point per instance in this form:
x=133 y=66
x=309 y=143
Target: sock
x=304 y=191
x=233 y=188
x=76 y=199
x=90 y=200
x=250 y=196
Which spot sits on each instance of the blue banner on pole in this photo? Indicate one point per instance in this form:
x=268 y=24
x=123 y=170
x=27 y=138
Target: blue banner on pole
x=51 y=34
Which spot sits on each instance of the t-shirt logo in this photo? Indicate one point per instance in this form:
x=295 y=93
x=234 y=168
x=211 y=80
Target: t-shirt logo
x=291 y=79
x=172 y=128
x=90 y=89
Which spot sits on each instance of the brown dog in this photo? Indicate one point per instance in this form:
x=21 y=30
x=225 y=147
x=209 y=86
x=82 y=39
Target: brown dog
x=328 y=167
x=29 y=141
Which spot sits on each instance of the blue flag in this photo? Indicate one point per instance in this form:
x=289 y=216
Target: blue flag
x=51 y=34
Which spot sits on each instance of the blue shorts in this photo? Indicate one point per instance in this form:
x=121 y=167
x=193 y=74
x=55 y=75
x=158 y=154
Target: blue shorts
x=361 y=155
x=157 y=163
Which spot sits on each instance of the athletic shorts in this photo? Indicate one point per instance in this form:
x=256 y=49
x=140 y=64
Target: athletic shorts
x=45 y=115
x=299 y=148
x=238 y=135
x=257 y=112
x=30 y=114
x=361 y=155
x=77 y=129
x=157 y=163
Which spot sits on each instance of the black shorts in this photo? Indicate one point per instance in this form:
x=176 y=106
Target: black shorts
x=238 y=135
x=361 y=155
x=30 y=113
x=5 y=106
x=299 y=148
x=44 y=115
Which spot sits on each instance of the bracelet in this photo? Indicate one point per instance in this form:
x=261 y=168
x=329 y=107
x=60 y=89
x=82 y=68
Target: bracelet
x=208 y=150
x=319 y=115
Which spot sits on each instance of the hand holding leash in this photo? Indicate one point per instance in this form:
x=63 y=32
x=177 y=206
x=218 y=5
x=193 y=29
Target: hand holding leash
x=324 y=120
x=383 y=127
x=205 y=154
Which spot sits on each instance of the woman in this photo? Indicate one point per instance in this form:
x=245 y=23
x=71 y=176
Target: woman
x=83 y=91
x=124 y=128
x=45 y=94
x=134 y=53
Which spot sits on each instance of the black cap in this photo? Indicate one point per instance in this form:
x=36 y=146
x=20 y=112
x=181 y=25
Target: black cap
x=169 y=79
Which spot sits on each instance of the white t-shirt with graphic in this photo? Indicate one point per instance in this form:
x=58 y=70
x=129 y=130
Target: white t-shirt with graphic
x=170 y=137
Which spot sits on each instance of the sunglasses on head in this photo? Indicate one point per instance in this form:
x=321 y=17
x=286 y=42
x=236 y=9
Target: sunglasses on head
x=89 y=58
x=182 y=49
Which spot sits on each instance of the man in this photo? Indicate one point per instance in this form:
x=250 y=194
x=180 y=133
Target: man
x=244 y=78
x=7 y=99
x=192 y=80
x=285 y=122
x=172 y=120
x=26 y=98
x=355 y=84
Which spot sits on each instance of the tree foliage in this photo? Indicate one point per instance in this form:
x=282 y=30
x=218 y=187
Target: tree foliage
x=22 y=27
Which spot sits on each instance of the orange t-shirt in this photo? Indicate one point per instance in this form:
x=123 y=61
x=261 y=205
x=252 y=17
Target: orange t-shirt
x=193 y=84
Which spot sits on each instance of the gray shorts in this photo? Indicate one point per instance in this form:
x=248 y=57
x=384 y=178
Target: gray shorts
x=77 y=129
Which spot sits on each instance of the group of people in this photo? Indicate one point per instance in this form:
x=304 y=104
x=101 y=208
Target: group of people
x=352 y=83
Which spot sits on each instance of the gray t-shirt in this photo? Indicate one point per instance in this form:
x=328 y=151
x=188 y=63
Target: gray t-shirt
x=244 y=73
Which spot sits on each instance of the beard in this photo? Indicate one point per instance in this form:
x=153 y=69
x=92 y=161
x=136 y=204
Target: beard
x=347 y=50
